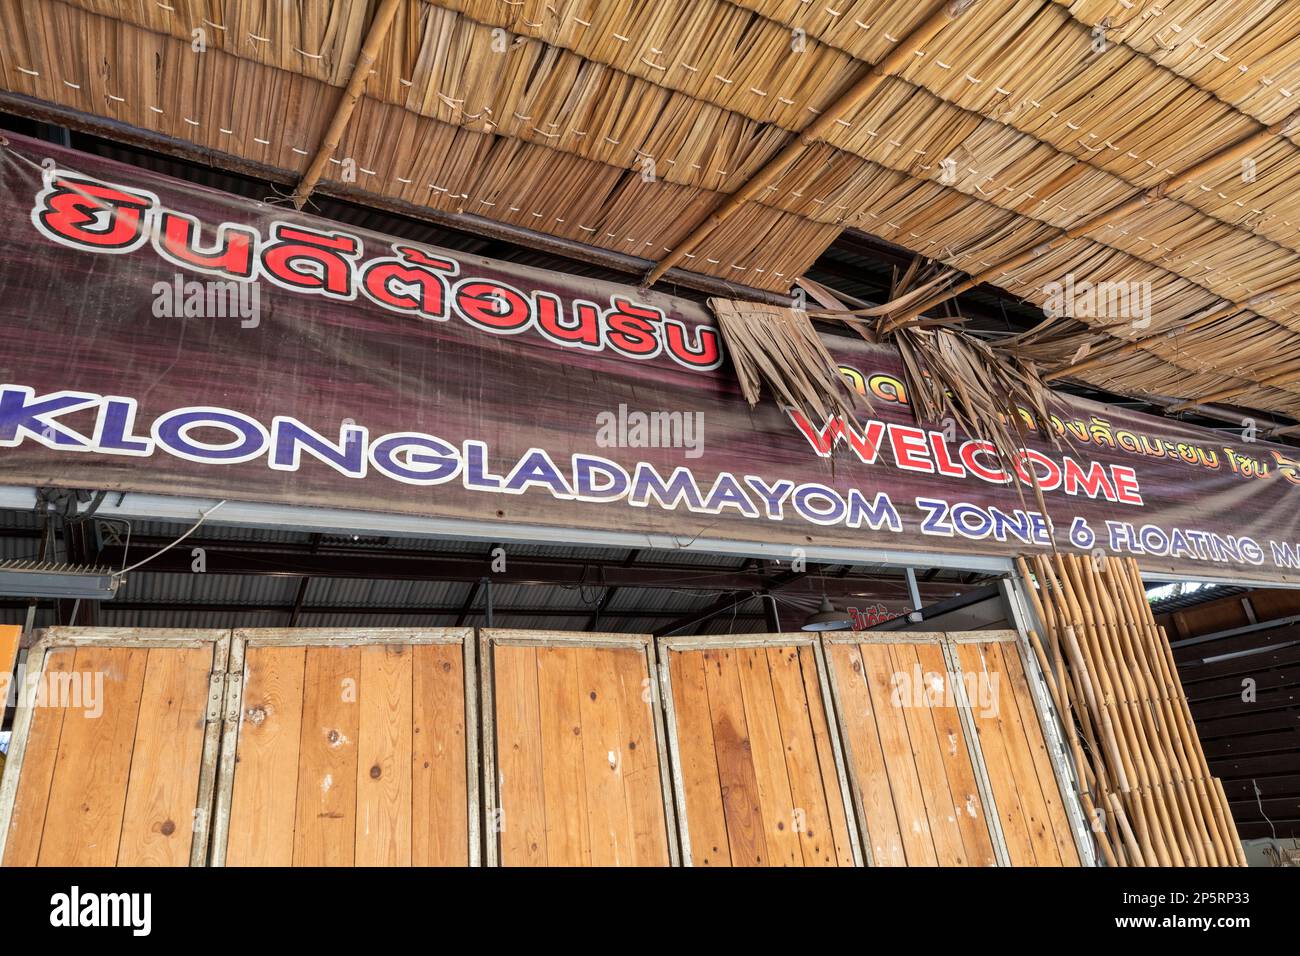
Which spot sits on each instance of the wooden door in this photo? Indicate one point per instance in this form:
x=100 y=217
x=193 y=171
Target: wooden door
x=1025 y=788
x=114 y=749
x=350 y=748
x=946 y=756
x=576 y=766
x=758 y=766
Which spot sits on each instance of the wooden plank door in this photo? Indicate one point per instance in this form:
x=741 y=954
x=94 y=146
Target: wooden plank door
x=913 y=775
x=350 y=748
x=758 y=770
x=946 y=755
x=114 y=749
x=576 y=765
x=1025 y=787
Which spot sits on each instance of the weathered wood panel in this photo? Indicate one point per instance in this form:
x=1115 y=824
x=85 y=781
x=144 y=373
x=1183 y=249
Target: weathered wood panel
x=266 y=780
x=113 y=750
x=578 y=774
x=759 y=781
x=1028 y=797
x=352 y=749
x=910 y=757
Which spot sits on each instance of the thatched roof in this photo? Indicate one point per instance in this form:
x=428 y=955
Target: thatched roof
x=543 y=113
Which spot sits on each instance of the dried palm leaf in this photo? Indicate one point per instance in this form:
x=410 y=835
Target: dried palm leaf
x=779 y=346
x=955 y=377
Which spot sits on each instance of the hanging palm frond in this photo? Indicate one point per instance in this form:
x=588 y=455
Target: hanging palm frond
x=779 y=346
x=956 y=377
x=950 y=376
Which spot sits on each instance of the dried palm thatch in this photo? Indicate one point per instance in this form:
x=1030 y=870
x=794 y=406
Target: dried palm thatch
x=984 y=392
x=950 y=377
x=779 y=347
x=1015 y=140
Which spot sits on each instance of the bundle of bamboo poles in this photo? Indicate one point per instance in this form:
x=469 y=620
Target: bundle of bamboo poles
x=1142 y=774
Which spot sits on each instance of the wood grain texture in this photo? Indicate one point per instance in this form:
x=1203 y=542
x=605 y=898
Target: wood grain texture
x=563 y=780
x=439 y=782
x=940 y=806
x=325 y=819
x=810 y=812
x=83 y=824
x=706 y=821
x=866 y=757
x=740 y=797
x=895 y=742
x=265 y=798
x=1002 y=777
x=522 y=822
x=32 y=799
x=578 y=758
x=767 y=755
x=642 y=783
x=162 y=793
x=962 y=788
x=840 y=816
x=747 y=722
x=383 y=782
x=1031 y=733
x=609 y=828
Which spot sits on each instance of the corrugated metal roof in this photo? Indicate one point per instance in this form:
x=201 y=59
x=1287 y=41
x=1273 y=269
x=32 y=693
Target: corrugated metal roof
x=178 y=589
x=180 y=617
x=355 y=592
x=169 y=599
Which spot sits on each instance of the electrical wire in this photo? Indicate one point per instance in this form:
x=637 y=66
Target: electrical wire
x=203 y=516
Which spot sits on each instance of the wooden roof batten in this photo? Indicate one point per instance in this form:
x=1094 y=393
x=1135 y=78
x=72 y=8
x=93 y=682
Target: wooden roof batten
x=814 y=132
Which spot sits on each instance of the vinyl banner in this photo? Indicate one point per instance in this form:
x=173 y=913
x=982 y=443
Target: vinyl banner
x=166 y=338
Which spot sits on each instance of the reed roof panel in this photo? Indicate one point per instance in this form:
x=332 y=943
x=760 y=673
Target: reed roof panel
x=621 y=124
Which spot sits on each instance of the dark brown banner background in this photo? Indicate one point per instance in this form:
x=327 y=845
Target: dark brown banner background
x=79 y=320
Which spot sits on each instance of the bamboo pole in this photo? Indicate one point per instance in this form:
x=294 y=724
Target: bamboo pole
x=1100 y=696
x=1113 y=679
x=1150 y=758
x=1144 y=633
x=901 y=55
x=1222 y=814
x=1150 y=825
x=1212 y=814
x=347 y=102
x=1068 y=682
x=1179 y=813
x=1086 y=690
x=1175 y=768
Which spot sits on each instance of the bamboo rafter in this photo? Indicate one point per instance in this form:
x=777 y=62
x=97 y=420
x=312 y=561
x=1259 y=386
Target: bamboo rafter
x=861 y=89
x=348 y=101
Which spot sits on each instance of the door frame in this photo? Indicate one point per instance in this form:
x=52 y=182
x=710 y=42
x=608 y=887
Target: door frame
x=232 y=707
x=48 y=639
x=702 y=642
